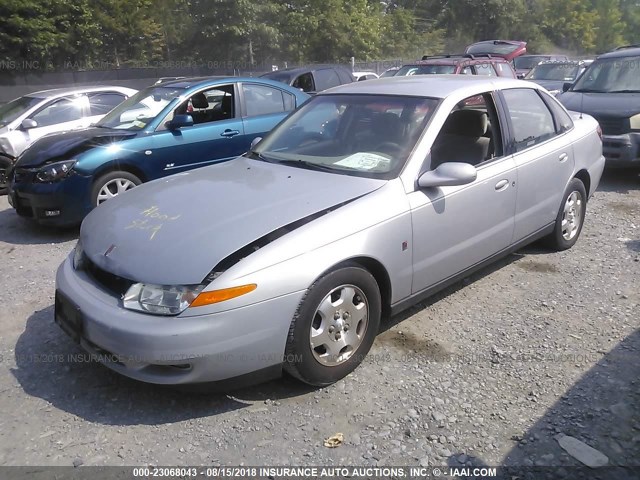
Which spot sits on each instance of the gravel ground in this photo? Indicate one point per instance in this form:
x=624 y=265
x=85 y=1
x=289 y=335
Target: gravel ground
x=489 y=372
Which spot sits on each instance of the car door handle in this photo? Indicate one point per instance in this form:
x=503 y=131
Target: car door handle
x=502 y=185
x=230 y=133
x=563 y=157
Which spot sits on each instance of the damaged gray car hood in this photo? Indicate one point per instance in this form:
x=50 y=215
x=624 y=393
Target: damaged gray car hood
x=173 y=231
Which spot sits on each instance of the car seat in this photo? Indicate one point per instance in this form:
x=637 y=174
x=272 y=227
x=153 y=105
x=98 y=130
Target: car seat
x=462 y=139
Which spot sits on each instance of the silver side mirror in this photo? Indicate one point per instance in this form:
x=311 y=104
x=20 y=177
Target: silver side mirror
x=28 y=123
x=448 y=174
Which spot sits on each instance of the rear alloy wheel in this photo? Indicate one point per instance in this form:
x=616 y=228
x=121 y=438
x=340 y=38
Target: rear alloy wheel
x=570 y=217
x=334 y=327
x=111 y=185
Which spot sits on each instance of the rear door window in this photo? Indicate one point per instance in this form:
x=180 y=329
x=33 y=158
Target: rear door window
x=261 y=100
x=101 y=103
x=531 y=119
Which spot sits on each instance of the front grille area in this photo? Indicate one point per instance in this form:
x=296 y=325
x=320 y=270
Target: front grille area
x=613 y=125
x=108 y=281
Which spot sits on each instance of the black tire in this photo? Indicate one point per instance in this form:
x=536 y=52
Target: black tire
x=5 y=164
x=109 y=177
x=300 y=360
x=556 y=240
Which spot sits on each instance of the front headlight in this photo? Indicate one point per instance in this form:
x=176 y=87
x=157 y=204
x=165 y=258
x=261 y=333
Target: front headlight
x=634 y=122
x=160 y=299
x=55 y=171
x=173 y=300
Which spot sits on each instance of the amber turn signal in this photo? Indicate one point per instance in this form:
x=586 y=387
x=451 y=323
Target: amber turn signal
x=217 y=296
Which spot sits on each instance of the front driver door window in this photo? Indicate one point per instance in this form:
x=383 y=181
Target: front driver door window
x=58 y=116
x=305 y=83
x=458 y=226
x=216 y=135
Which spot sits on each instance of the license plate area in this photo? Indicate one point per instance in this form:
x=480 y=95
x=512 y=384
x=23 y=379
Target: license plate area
x=68 y=317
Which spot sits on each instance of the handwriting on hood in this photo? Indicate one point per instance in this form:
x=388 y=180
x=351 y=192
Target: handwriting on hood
x=152 y=219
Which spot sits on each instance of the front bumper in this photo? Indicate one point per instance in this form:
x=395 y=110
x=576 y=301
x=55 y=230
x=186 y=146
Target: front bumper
x=177 y=350
x=63 y=203
x=622 y=150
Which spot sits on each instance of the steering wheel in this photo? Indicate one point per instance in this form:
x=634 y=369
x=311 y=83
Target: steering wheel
x=312 y=137
x=389 y=148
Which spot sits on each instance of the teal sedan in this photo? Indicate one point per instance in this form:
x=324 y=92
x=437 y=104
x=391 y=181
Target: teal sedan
x=162 y=130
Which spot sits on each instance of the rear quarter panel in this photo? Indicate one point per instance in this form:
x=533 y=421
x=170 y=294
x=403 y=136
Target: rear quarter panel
x=587 y=149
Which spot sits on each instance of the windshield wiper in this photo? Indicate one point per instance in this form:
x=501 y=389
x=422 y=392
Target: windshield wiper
x=257 y=156
x=624 y=91
x=306 y=164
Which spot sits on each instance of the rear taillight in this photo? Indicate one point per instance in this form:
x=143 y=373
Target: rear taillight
x=599 y=130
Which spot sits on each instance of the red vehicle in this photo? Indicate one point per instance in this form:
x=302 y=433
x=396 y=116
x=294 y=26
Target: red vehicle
x=460 y=64
x=507 y=49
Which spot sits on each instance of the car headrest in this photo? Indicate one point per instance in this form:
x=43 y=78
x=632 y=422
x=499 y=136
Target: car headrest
x=199 y=100
x=387 y=125
x=468 y=123
x=227 y=104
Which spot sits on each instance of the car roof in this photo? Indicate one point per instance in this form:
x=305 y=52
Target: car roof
x=199 y=82
x=433 y=86
x=295 y=70
x=61 y=92
x=631 y=51
x=189 y=82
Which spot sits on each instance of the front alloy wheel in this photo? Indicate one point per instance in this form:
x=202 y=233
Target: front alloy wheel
x=339 y=325
x=111 y=185
x=334 y=326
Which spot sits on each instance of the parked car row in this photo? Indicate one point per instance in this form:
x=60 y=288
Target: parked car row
x=270 y=230
x=164 y=129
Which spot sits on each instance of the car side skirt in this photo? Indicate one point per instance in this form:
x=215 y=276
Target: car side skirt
x=433 y=289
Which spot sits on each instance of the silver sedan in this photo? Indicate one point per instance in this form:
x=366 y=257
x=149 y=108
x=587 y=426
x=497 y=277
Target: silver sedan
x=364 y=201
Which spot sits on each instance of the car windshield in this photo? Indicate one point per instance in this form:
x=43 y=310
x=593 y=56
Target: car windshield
x=362 y=135
x=526 y=63
x=611 y=75
x=389 y=73
x=490 y=47
x=12 y=110
x=554 y=71
x=425 y=70
x=136 y=112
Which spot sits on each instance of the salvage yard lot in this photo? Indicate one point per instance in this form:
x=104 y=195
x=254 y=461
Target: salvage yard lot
x=488 y=372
